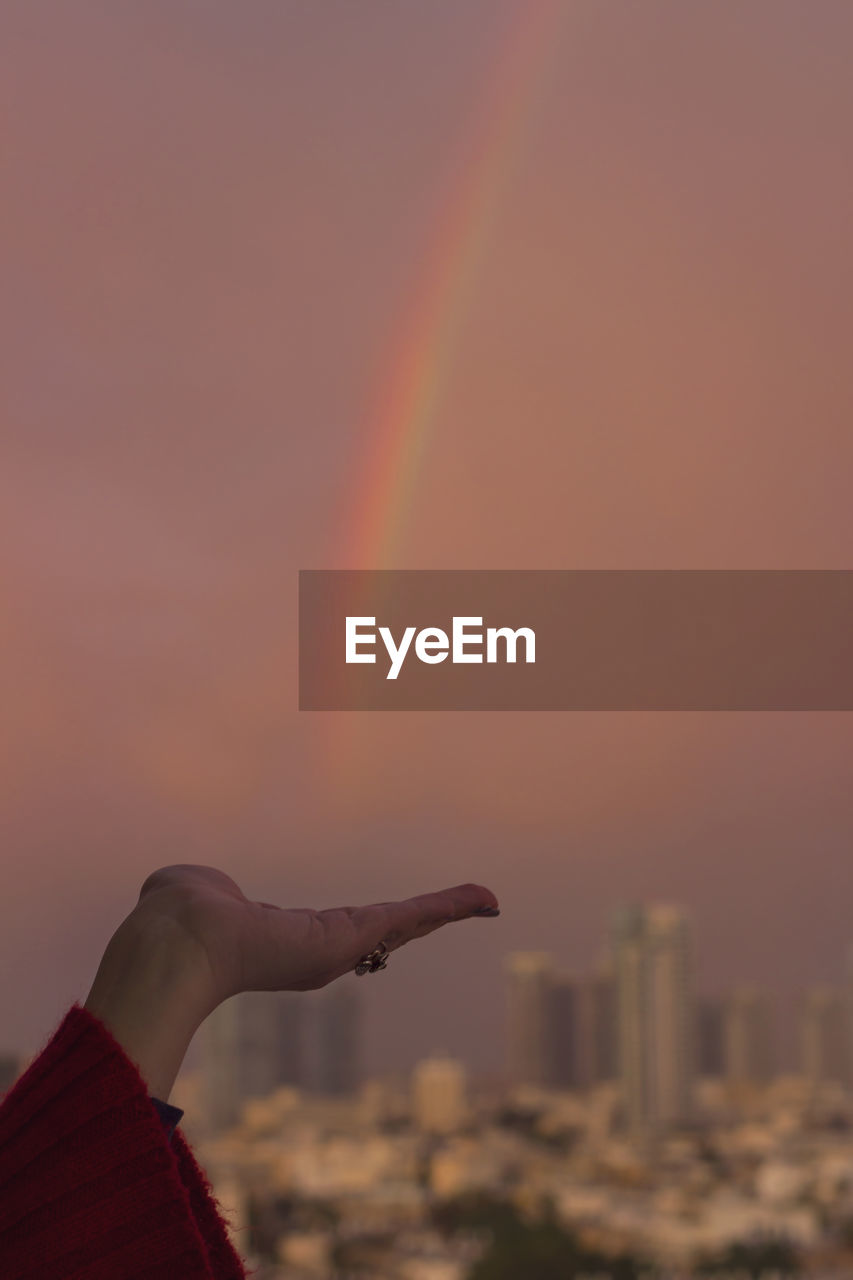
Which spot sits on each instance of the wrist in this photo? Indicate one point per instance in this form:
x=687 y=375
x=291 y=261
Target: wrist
x=152 y=992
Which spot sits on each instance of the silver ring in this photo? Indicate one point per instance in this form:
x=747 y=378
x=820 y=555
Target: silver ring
x=373 y=961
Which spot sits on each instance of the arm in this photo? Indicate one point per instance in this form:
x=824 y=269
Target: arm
x=194 y=939
x=90 y=1185
x=91 y=1188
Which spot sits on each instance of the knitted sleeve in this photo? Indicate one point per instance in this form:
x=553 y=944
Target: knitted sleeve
x=91 y=1188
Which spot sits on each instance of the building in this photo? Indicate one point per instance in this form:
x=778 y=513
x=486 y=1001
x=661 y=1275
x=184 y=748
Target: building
x=581 y=1036
x=655 y=1016
x=823 y=1037
x=439 y=1090
x=250 y=1046
x=529 y=1014
x=747 y=1038
x=599 y=1040
x=710 y=1038
x=338 y=1040
x=564 y=1033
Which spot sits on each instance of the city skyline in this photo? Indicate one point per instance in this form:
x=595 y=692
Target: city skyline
x=644 y=1119
x=636 y=1017
x=336 y=1018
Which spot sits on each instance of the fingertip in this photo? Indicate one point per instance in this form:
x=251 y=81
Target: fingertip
x=482 y=902
x=478 y=893
x=488 y=903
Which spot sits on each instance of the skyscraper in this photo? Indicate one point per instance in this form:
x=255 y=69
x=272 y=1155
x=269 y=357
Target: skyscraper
x=710 y=1038
x=251 y=1045
x=564 y=1033
x=529 y=979
x=823 y=1037
x=655 y=1016
x=600 y=1047
x=338 y=1040
x=747 y=1038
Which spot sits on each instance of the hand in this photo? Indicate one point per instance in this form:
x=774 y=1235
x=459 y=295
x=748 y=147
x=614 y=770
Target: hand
x=194 y=939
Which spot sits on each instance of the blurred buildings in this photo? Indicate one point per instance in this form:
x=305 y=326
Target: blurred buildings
x=635 y=1022
x=561 y=1029
x=439 y=1095
x=710 y=1038
x=529 y=979
x=251 y=1045
x=259 y=1041
x=337 y=1055
x=655 y=1016
x=823 y=1033
x=747 y=1038
x=566 y=1034
x=326 y=1186
x=650 y=1120
x=600 y=1056
x=634 y=1019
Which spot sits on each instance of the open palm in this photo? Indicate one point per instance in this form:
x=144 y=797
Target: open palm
x=194 y=939
x=254 y=946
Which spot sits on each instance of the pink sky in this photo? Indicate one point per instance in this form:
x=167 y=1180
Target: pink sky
x=215 y=217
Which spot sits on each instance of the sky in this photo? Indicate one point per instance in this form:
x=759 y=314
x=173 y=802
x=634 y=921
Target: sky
x=612 y=240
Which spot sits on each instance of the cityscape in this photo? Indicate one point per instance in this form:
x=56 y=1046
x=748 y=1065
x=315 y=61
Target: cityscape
x=638 y=1129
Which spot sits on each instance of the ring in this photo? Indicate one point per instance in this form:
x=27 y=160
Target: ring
x=373 y=961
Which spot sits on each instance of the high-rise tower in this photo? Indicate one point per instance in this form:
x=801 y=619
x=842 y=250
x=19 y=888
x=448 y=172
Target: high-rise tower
x=529 y=986
x=655 y=1016
x=251 y=1045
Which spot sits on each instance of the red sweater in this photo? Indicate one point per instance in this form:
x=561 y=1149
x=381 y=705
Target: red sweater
x=91 y=1187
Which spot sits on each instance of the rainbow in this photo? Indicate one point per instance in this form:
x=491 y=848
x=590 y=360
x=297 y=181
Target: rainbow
x=413 y=382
